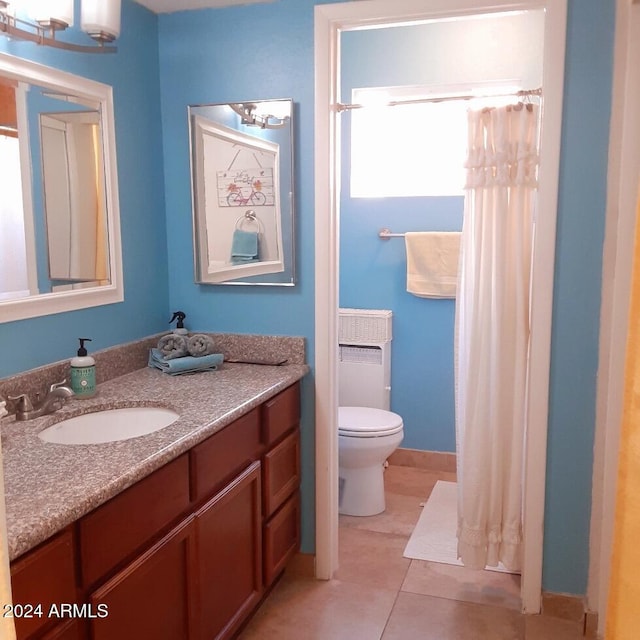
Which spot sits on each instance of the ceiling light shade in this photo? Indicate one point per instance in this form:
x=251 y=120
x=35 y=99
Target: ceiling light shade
x=101 y=19
x=53 y=14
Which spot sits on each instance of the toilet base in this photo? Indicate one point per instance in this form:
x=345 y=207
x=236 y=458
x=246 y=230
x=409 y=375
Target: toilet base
x=361 y=491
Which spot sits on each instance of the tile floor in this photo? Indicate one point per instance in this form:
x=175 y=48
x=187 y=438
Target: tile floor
x=377 y=594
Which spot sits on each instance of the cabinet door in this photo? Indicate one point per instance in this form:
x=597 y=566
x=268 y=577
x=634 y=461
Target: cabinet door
x=41 y=578
x=150 y=598
x=229 y=556
x=72 y=630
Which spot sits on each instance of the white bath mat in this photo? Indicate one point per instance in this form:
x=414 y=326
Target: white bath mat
x=434 y=537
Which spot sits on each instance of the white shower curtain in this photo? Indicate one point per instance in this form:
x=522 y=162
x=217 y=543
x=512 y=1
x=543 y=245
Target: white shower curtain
x=492 y=332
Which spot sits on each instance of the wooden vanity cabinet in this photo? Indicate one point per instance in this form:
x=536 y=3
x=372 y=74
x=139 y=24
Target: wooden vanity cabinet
x=186 y=553
x=70 y=630
x=40 y=580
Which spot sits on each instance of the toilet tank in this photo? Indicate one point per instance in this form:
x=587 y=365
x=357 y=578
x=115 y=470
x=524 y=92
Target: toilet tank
x=364 y=360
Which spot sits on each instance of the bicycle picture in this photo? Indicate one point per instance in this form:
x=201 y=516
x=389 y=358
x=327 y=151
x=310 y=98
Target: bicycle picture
x=246 y=187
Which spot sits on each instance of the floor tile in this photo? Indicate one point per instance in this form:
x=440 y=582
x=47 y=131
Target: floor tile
x=459 y=583
x=321 y=610
x=399 y=518
x=410 y=481
x=427 y=618
x=377 y=594
x=371 y=558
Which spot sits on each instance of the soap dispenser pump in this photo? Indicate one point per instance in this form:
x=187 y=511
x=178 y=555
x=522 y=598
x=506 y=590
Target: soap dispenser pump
x=83 y=372
x=180 y=328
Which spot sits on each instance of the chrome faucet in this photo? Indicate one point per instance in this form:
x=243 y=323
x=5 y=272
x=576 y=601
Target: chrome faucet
x=54 y=400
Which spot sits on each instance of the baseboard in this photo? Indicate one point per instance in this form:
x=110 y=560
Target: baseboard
x=570 y=607
x=591 y=625
x=561 y=605
x=431 y=460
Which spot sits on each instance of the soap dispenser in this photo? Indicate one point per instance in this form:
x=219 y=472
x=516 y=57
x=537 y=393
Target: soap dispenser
x=180 y=328
x=83 y=372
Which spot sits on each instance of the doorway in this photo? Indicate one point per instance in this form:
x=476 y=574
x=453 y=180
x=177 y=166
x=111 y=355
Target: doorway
x=330 y=21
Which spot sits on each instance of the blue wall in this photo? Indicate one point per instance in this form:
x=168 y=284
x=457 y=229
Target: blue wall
x=203 y=59
x=373 y=275
x=134 y=74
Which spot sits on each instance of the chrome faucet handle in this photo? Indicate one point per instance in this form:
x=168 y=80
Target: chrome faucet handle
x=22 y=403
x=55 y=385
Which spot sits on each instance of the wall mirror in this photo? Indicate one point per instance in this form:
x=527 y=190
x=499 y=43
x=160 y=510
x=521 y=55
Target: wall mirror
x=59 y=213
x=242 y=192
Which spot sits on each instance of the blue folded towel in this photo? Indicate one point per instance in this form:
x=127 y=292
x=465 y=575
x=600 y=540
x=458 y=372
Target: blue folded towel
x=172 y=345
x=244 y=247
x=186 y=364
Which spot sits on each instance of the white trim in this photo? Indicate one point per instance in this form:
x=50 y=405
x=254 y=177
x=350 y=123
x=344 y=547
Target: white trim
x=326 y=291
x=622 y=194
x=27 y=186
x=330 y=19
x=102 y=96
x=535 y=464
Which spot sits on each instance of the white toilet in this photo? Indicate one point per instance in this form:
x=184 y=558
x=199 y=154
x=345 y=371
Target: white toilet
x=368 y=433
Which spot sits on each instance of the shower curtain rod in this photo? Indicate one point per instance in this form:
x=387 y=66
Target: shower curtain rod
x=524 y=93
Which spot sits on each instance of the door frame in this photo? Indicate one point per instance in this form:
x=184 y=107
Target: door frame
x=330 y=21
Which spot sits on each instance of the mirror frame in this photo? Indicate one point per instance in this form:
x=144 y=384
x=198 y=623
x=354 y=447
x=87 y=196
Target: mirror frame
x=101 y=94
x=273 y=273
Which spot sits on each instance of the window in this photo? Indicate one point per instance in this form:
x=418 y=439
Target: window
x=409 y=149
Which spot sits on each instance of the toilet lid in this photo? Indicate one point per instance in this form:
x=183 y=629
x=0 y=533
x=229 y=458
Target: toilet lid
x=366 y=422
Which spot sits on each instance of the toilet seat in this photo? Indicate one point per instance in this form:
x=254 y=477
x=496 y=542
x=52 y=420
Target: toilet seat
x=367 y=422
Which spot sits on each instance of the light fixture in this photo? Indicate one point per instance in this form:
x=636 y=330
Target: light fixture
x=100 y=19
x=253 y=115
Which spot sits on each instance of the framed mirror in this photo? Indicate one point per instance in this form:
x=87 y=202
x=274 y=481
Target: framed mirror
x=60 y=222
x=242 y=192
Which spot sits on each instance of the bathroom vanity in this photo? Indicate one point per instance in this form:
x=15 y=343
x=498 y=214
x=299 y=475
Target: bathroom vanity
x=174 y=535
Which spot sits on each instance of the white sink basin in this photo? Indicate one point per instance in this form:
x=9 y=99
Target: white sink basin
x=109 y=425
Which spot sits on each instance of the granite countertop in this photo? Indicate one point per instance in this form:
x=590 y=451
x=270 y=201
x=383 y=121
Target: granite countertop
x=48 y=486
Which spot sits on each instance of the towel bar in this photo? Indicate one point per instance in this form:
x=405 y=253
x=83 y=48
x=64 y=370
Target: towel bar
x=385 y=234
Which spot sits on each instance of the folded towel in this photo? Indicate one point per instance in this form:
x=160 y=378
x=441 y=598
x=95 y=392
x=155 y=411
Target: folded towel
x=186 y=364
x=432 y=263
x=172 y=346
x=244 y=247
x=200 y=344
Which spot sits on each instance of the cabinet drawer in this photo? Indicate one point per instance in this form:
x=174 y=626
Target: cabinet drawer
x=114 y=531
x=281 y=538
x=44 y=576
x=222 y=456
x=281 y=472
x=281 y=414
